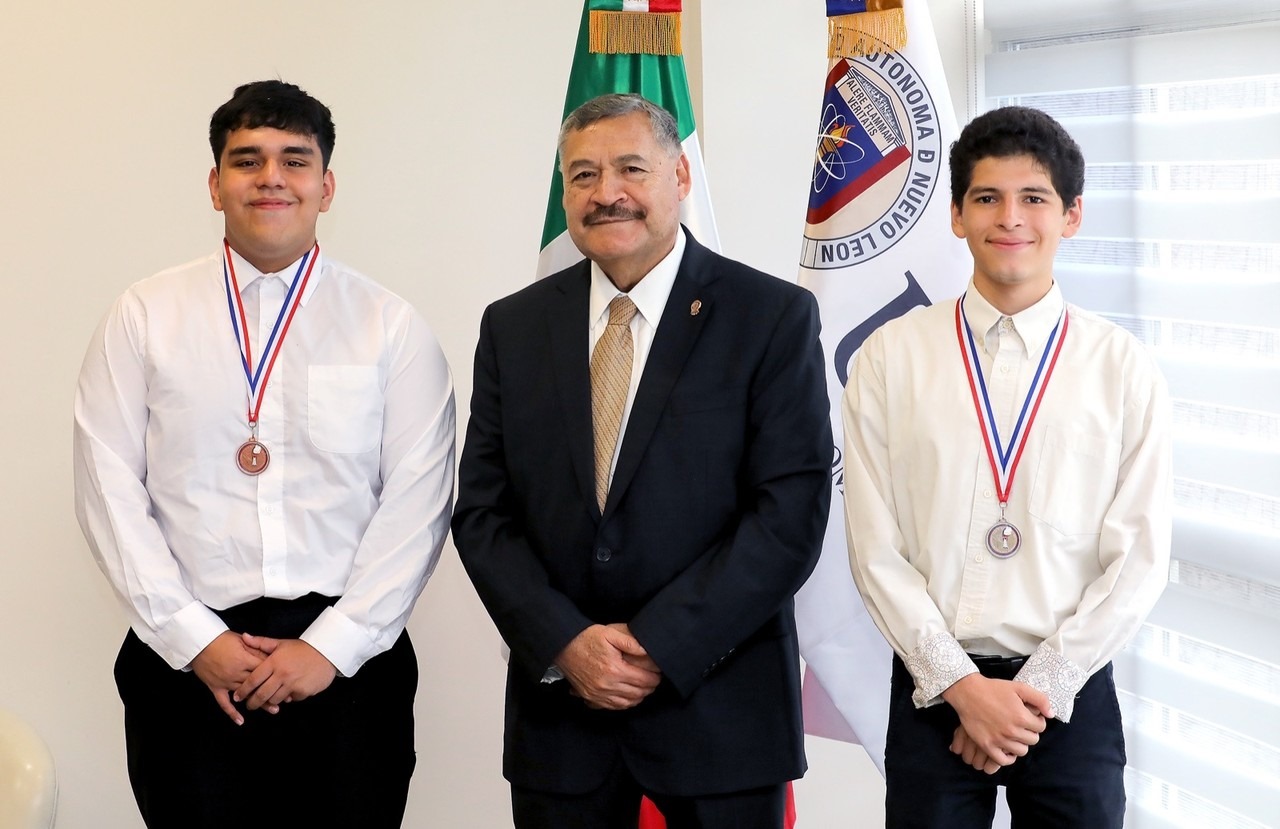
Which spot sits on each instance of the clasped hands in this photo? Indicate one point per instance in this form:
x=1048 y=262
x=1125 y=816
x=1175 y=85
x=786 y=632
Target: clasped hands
x=608 y=668
x=261 y=672
x=1000 y=720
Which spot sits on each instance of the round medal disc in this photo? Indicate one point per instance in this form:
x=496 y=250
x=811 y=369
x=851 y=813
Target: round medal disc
x=252 y=457
x=1003 y=539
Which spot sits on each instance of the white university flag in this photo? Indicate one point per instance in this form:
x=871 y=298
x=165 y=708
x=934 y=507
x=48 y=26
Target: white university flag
x=877 y=243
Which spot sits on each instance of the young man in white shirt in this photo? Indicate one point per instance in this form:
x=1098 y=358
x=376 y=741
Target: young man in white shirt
x=264 y=449
x=1007 y=491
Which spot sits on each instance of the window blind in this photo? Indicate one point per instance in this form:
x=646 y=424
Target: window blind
x=1176 y=105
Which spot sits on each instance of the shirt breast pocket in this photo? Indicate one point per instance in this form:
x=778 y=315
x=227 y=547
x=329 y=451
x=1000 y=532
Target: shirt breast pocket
x=1075 y=481
x=344 y=408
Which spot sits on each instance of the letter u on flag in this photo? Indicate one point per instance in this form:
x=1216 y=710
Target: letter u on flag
x=630 y=46
x=877 y=243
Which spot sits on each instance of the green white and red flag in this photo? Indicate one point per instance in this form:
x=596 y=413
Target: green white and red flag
x=630 y=46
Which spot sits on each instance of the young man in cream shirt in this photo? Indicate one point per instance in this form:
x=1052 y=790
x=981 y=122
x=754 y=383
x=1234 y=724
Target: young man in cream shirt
x=1007 y=490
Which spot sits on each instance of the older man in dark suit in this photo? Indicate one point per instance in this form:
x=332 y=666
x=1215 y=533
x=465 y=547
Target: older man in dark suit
x=644 y=487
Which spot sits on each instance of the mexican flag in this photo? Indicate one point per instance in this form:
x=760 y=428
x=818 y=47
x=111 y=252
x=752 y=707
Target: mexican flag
x=630 y=46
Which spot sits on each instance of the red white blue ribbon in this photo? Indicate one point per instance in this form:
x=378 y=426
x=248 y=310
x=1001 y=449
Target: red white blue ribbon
x=256 y=375
x=1003 y=457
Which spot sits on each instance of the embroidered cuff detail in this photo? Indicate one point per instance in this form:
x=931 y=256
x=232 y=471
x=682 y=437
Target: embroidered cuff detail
x=1053 y=674
x=936 y=664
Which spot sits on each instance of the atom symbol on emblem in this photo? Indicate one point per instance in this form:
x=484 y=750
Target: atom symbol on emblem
x=829 y=165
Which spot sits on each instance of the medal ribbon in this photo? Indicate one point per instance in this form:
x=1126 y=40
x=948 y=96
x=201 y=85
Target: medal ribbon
x=256 y=376
x=1004 y=459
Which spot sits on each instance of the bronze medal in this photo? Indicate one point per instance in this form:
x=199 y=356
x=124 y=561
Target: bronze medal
x=252 y=457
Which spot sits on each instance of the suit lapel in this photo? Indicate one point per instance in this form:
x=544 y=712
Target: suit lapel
x=567 y=324
x=677 y=333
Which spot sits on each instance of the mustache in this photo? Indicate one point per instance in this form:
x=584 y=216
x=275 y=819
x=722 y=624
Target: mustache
x=612 y=212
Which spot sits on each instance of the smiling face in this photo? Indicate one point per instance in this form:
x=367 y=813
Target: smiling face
x=1013 y=219
x=622 y=194
x=271 y=187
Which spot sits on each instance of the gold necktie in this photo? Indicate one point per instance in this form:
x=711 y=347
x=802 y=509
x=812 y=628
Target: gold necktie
x=610 y=381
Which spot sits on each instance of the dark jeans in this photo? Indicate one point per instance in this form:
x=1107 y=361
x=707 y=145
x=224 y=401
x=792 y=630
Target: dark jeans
x=1072 y=779
x=342 y=758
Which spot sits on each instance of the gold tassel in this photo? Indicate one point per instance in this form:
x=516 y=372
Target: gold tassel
x=868 y=33
x=635 y=33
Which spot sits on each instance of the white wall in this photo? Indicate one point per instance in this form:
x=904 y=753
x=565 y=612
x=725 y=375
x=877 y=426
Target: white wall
x=446 y=118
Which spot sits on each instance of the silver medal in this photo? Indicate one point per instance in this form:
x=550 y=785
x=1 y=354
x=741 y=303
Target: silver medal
x=1003 y=539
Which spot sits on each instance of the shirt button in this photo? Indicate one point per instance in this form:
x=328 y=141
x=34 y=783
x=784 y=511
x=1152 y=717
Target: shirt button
x=1004 y=368
x=979 y=558
x=986 y=493
x=968 y=620
x=604 y=554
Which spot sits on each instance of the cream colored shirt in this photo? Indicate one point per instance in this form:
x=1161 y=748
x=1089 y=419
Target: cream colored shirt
x=359 y=420
x=1091 y=496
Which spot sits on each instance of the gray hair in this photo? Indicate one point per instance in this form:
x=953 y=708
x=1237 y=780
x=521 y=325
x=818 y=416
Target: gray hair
x=604 y=107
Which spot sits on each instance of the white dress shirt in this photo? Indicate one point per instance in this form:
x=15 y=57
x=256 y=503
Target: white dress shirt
x=1091 y=496
x=358 y=418
x=650 y=296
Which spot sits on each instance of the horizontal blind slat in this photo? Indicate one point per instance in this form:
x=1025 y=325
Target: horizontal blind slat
x=1185 y=57
x=1211 y=216
x=1185 y=689
x=1241 y=385
x=1176 y=138
x=1237 y=467
x=1120 y=289
x=1231 y=548
x=1010 y=18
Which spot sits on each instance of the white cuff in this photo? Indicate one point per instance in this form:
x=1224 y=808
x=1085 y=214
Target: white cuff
x=1055 y=676
x=340 y=640
x=188 y=632
x=936 y=664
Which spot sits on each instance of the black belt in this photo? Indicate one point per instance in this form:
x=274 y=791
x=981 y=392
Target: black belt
x=278 y=618
x=998 y=667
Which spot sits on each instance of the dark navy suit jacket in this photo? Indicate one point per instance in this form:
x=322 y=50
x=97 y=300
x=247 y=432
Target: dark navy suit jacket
x=714 y=519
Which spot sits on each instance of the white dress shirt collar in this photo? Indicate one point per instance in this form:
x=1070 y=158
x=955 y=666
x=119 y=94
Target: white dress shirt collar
x=246 y=273
x=649 y=294
x=1033 y=324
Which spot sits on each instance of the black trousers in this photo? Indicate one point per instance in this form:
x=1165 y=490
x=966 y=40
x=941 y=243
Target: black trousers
x=1072 y=779
x=342 y=758
x=616 y=805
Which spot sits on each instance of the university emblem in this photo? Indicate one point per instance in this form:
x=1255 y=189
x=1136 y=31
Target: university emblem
x=876 y=162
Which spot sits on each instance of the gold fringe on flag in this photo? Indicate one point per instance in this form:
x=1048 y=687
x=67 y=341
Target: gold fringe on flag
x=882 y=28
x=635 y=33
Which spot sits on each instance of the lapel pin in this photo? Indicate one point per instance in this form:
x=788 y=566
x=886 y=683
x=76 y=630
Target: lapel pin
x=695 y=308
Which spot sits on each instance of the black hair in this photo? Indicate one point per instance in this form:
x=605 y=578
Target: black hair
x=1015 y=130
x=274 y=104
